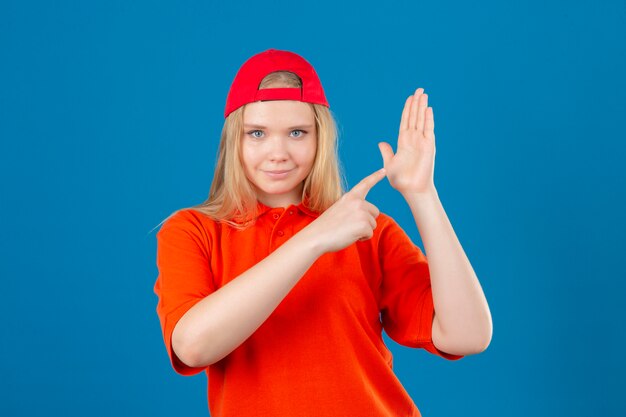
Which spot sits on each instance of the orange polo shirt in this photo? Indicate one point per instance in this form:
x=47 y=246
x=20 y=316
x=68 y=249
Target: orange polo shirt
x=321 y=351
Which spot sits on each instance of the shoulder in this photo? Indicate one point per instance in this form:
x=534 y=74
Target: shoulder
x=394 y=243
x=185 y=217
x=385 y=222
x=388 y=230
x=191 y=221
x=384 y=219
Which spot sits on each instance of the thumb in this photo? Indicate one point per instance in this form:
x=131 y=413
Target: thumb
x=386 y=151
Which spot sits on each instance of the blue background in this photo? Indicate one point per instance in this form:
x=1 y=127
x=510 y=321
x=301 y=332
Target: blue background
x=110 y=116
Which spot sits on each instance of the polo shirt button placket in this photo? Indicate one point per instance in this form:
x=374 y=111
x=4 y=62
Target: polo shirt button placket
x=279 y=233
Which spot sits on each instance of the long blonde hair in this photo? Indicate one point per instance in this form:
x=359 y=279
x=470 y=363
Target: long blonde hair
x=232 y=199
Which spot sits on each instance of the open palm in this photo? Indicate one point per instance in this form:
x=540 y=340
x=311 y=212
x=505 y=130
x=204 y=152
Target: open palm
x=411 y=169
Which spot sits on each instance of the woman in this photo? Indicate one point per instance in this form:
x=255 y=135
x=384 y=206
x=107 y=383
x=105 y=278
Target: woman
x=280 y=284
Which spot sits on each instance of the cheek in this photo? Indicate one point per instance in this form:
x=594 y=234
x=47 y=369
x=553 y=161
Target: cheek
x=248 y=157
x=309 y=153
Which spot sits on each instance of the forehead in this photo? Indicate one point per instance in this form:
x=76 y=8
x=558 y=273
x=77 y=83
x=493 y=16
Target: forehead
x=278 y=113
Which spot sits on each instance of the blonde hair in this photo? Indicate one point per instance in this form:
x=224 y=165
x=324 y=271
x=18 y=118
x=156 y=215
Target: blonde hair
x=232 y=199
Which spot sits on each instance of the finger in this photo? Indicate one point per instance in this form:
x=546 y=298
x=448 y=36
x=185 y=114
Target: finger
x=363 y=187
x=429 y=126
x=372 y=222
x=386 y=151
x=404 y=120
x=372 y=209
x=414 y=108
x=421 y=112
x=369 y=227
x=366 y=237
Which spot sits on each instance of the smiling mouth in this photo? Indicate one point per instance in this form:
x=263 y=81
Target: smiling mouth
x=278 y=172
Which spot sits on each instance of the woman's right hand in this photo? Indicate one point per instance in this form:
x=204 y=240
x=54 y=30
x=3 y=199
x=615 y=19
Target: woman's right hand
x=351 y=218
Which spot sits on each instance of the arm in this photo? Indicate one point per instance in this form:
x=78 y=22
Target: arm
x=462 y=323
x=219 y=323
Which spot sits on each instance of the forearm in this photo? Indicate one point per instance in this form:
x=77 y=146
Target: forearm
x=462 y=321
x=219 y=323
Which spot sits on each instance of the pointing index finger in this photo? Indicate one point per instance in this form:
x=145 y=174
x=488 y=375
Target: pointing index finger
x=366 y=184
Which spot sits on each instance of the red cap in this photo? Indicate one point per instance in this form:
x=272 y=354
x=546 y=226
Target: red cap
x=245 y=86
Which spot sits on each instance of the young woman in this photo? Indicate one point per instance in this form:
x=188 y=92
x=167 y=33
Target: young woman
x=280 y=284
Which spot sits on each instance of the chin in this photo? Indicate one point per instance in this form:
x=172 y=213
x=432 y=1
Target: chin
x=275 y=192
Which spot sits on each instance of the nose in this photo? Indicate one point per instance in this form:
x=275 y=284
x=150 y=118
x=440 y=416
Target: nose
x=278 y=149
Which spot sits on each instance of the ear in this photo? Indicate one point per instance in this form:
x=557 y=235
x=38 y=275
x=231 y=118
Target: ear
x=386 y=151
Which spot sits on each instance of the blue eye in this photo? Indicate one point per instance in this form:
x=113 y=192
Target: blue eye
x=258 y=134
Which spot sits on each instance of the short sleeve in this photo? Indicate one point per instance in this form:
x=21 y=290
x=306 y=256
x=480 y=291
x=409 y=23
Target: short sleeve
x=184 y=278
x=406 y=302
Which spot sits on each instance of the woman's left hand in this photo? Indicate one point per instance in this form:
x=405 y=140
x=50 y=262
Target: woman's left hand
x=411 y=169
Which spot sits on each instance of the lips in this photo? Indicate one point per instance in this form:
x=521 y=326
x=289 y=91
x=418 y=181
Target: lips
x=278 y=171
x=278 y=174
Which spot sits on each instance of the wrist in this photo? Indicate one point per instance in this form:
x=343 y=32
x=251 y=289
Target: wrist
x=426 y=195
x=310 y=241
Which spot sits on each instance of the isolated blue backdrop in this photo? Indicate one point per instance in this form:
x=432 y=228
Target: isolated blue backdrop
x=110 y=115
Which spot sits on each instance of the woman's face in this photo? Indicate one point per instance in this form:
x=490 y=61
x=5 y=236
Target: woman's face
x=278 y=149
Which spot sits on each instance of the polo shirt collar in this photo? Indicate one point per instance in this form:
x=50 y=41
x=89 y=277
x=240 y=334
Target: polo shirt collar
x=263 y=209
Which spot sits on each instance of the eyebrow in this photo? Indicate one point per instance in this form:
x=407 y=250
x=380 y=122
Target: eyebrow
x=255 y=126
